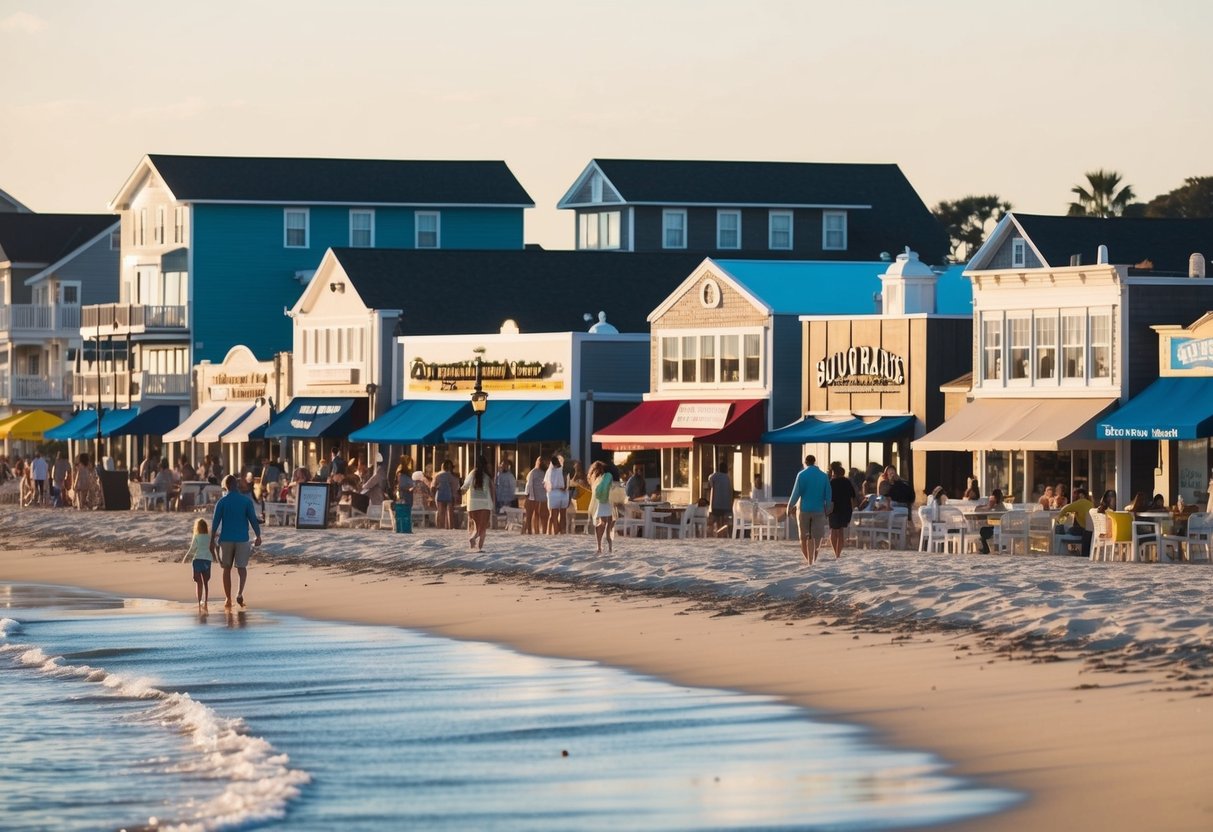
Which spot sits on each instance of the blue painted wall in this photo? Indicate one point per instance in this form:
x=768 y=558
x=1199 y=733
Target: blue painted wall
x=243 y=275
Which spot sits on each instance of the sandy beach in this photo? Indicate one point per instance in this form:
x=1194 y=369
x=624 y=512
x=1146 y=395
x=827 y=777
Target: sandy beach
x=1087 y=687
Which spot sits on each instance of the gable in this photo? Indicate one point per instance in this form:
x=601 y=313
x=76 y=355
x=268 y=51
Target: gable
x=592 y=187
x=709 y=299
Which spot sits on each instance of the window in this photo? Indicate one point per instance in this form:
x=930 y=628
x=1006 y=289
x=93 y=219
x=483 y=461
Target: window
x=730 y=359
x=179 y=224
x=674 y=228
x=675 y=467
x=116 y=239
x=142 y=227
x=599 y=230
x=1019 y=253
x=669 y=359
x=991 y=345
x=1019 y=332
x=707 y=359
x=1046 y=346
x=69 y=294
x=362 y=228
x=728 y=229
x=1101 y=345
x=1072 y=346
x=295 y=221
x=753 y=358
x=780 y=230
x=596 y=188
x=160 y=224
x=688 y=356
x=834 y=230
x=429 y=229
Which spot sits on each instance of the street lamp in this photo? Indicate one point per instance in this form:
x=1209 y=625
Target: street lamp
x=480 y=400
x=371 y=389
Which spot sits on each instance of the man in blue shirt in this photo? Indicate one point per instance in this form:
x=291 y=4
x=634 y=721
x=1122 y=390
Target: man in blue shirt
x=811 y=500
x=234 y=514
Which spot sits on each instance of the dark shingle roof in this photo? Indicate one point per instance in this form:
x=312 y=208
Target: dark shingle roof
x=341 y=181
x=443 y=292
x=45 y=238
x=1167 y=243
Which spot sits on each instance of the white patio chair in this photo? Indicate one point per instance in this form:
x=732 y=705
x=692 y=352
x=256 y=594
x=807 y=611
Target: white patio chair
x=743 y=518
x=1104 y=546
x=387 y=515
x=1013 y=533
x=675 y=526
x=1199 y=541
x=768 y=525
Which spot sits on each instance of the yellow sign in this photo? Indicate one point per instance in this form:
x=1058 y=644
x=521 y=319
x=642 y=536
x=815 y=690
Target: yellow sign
x=456 y=385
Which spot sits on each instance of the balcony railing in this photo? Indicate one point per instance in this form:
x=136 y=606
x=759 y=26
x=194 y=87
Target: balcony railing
x=39 y=318
x=124 y=316
x=41 y=388
x=162 y=384
x=124 y=385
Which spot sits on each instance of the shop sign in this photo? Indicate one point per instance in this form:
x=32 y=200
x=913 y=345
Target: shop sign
x=1104 y=431
x=428 y=376
x=701 y=415
x=331 y=375
x=862 y=370
x=312 y=411
x=1189 y=353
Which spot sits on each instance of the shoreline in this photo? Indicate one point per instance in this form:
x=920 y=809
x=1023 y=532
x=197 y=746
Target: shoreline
x=1085 y=746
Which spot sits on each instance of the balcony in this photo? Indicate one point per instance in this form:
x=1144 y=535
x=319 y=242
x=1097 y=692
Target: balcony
x=35 y=391
x=40 y=320
x=121 y=318
x=123 y=386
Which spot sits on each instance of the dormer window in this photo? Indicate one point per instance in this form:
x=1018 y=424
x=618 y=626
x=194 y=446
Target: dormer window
x=1019 y=253
x=596 y=188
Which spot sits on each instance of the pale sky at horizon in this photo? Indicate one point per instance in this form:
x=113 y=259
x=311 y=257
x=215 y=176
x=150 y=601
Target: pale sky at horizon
x=1016 y=99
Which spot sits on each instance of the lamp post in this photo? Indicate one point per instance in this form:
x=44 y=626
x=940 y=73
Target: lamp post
x=480 y=400
x=371 y=389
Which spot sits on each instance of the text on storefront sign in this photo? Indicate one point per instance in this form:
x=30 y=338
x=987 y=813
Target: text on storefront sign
x=861 y=367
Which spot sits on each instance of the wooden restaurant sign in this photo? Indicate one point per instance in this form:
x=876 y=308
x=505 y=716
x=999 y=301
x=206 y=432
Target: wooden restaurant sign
x=862 y=370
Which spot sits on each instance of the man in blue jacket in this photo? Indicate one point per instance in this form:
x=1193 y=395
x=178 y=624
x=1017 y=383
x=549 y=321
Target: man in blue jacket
x=234 y=514
x=811 y=500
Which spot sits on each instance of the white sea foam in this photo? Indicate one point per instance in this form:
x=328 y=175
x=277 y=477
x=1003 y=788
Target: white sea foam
x=258 y=781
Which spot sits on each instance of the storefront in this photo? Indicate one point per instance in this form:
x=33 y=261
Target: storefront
x=1173 y=417
x=729 y=362
x=546 y=392
x=234 y=400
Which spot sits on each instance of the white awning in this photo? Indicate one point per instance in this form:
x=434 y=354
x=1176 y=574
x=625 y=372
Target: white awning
x=195 y=422
x=232 y=415
x=252 y=426
x=1019 y=425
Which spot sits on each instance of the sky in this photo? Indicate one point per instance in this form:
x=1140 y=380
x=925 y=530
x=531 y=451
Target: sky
x=1016 y=99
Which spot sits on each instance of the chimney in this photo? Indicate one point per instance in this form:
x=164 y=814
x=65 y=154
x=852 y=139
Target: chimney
x=1102 y=255
x=1075 y=259
x=1196 y=265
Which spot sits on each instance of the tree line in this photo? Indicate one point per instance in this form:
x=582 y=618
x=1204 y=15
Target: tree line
x=1101 y=194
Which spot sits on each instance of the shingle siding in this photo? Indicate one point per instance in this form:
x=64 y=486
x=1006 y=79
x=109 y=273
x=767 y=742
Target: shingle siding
x=1001 y=258
x=97 y=270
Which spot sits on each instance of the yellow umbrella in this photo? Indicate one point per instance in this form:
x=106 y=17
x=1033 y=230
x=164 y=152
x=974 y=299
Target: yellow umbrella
x=29 y=425
x=9 y=419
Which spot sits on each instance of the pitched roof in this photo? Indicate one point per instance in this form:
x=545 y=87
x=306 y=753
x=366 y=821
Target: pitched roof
x=813 y=287
x=340 y=181
x=46 y=238
x=444 y=292
x=670 y=182
x=1167 y=243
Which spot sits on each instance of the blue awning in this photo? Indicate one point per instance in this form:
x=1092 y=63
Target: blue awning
x=81 y=426
x=1170 y=408
x=414 y=422
x=308 y=418
x=516 y=420
x=812 y=430
x=156 y=420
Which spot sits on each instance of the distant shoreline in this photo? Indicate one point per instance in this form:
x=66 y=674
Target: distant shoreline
x=1082 y=744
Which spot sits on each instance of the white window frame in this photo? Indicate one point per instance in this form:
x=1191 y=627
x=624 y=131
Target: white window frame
x=437 y=215
x=360 y=212
x=179 y=224
x=666 y=215
x=142 y=227
x=307 y=227
x=771 y=216
x=826 y=216
x=1110 y=344
x=64 y=284
x=1083 y=348
x=721 y=213
x=998 y=323
x=161 y=223
x=1019 y=253
x=716 y=334
x=1024 y=316
x=1037 y=345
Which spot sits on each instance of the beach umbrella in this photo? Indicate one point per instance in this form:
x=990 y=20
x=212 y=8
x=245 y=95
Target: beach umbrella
x=29 y=426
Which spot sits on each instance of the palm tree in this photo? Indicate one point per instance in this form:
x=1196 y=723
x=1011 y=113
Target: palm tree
x=1101 y=198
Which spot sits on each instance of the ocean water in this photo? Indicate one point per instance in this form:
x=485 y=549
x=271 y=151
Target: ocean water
x=135 y=714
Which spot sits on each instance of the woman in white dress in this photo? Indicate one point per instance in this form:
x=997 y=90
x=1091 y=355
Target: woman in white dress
x=558 y=495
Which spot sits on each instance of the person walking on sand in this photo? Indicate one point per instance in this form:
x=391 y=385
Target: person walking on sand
x=536 y=520
x=600 y=506
x=720 y=501
x=445 y=486
x=811 y=502
x=557 y=490
x=481 y=498
x=199 y=554
x=41 y=472
x=843 y=497
x=234 y=515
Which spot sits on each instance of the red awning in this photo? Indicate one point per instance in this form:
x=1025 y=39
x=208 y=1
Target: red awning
x=673 y=423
